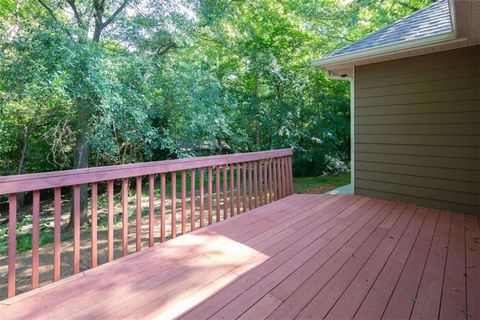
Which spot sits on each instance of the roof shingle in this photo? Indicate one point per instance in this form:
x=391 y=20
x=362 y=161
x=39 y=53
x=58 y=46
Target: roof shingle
x=430 y=21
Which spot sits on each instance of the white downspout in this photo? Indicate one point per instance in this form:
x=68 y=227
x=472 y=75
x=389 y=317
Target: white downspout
x=352 y=129
x=352 y=123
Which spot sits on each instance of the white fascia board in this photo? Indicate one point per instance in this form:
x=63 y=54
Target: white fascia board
x=384 y=50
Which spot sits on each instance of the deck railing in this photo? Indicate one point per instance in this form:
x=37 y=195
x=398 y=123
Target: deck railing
x=234 y=184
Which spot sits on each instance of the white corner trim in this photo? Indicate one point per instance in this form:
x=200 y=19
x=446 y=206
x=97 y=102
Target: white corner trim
x=352 y=130
x=352 y=123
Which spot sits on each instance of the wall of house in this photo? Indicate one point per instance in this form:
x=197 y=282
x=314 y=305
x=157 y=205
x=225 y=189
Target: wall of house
x=417 y=130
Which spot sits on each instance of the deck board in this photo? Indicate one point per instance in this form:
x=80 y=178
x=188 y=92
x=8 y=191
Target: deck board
x=427 y=306
x=404 y=295
x=305 y=256
x=453 y=304
x=472 y=233
x=347 y=304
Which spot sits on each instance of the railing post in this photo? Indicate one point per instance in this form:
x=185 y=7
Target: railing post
x=244 y=187
x=232 y=178
x=12 y=243
x=76 y=229
x=93 y=236
x=35 y=237
x=151 y=209
x=110 y=221
x=225 y=194
x=174 y=205
x=265 y=181
x=210 y=190
x=192 y=199
x=217 y=195
x=184 y=201
x=290 y=172
x=202 y=196
x=124 y=216
x=57 y=207
x=163 y=207
x=238 y=188
x=138 y=215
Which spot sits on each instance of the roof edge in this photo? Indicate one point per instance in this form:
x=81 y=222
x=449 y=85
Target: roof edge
x=393 y=47
x=384 y=50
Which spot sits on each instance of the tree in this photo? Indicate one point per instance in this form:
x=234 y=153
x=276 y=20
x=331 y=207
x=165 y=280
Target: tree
x=97 y=82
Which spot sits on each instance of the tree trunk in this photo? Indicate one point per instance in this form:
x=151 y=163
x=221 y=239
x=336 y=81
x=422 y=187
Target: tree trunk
x=258 y=136
x=21 y=163
x=81 y=159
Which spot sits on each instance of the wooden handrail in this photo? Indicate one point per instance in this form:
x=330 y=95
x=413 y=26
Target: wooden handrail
x=250 y=180
x=47 y=180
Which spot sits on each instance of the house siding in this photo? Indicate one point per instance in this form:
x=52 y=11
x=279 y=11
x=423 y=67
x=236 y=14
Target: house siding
x=417 y=130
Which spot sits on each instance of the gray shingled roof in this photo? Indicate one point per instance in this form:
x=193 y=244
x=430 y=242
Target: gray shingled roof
x=430 y=21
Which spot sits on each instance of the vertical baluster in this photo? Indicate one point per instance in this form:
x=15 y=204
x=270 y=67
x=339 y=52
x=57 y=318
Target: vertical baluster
x=57 y=208
x=151 y=209
x=93 y=235
x=225 y=194
x=138 y=243
x=202 y=195
x=35 y=237
x=210 y=190
x=163 y=207
x=279 y=177
x=231 y=167
x=270 y=179
x=124 y=216
x=250 y=187
x=265 y=181
x=279 y=183
x=287 y=177
x=283 y=176
x=244 y=187
x=76 y=229
x=217 y=190
x=274 y=178
x=255 y=182
x=290 y=173
x=192 y=199
x=12 y=243
x=260 y=183
x=238 y=188
x=174 y=205
x=184 y=202
x=110 y=220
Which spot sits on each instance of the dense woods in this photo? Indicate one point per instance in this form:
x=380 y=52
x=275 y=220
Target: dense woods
x=97 y=82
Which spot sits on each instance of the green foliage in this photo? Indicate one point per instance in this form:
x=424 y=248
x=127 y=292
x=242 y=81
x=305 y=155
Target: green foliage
x=320 y=184
x=168 y=79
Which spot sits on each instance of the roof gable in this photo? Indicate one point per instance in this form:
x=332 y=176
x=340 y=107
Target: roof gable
x=431 y=21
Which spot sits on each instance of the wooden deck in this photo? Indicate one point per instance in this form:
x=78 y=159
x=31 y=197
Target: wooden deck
x=305 y=256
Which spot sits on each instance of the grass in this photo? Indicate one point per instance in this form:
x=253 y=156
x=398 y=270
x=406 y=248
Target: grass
x=320 y=184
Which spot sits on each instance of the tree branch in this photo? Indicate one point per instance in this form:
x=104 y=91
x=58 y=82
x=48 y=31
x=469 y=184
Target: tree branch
x=77 y=14
x=54 y=17
x=407 y=5
x=166 y=48
x=115 y=14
